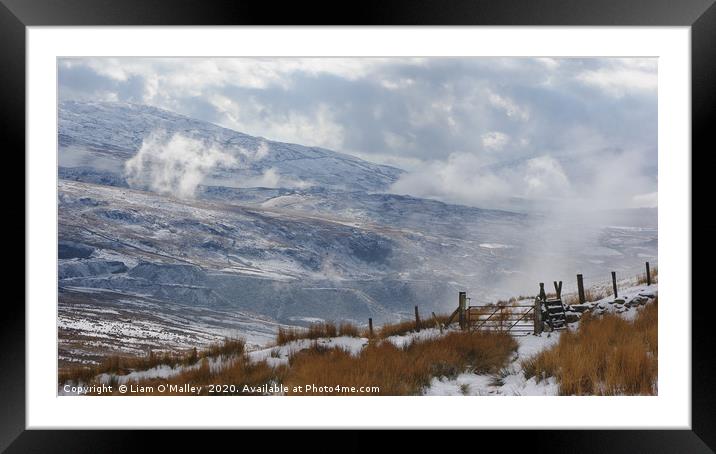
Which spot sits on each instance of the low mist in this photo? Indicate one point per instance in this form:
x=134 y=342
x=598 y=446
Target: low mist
x=174 y=165
x=573 y=201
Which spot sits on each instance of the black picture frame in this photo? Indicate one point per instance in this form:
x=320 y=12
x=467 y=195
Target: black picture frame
x=700 y=15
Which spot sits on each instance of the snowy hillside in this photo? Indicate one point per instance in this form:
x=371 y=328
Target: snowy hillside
x=326 y=242
x=279 y=263
x=96 y=139
x=510 y=380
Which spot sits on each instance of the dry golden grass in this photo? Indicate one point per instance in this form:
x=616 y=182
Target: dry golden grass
x=590 y=295
x=121 y=365
x=396 y=371
x=654 y=276
x=408 y=326
x=238 y=371
x=77 y=374
x=286 y=335
x=401 y=371
x=228 y=347
x=647 y=322
x=607 y=355
x=396 y=329
x=348 y=329
x=316 y=331
x=517 y=299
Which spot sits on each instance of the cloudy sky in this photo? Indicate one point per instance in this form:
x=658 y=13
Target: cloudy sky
x=481 y=131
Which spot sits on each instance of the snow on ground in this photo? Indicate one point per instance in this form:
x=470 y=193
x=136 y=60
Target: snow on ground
x=464 y=384
x=511 y=380
x=306 y=319
x=90 y=328
x=274 y=356
x=161 y=371
x=279 y=355
x=629 y=301
x=494 y=246
x=402 y=340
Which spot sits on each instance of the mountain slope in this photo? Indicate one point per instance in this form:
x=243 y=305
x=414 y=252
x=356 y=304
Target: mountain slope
x=96 y=139
x=339 y=249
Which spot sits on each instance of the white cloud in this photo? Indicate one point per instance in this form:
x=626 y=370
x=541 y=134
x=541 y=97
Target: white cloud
x=173 y=165
x=315 y=129
x=192 y=76
x=617 y=179
x=397 y=84
x=396 y=141
x=649 y=200
x=177 y=165
x=251 y=156
x=261 y=152
x=403 y=162
x=622 y=77
x=510 y=107
x=494 y=140
x=114 y=68
x=545 y=177
x=466 y=178
x=422 y=115
x=460 y=179
x=549 y=63
x=312 y=128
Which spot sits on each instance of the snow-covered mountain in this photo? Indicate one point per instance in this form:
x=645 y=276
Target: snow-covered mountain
x=339 y=248
x=96 y=139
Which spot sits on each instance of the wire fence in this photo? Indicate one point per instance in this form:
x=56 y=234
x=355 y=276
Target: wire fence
x=602 y=283
x=520 y=317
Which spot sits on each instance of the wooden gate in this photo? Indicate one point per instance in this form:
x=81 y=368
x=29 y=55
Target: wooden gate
x=514 y=318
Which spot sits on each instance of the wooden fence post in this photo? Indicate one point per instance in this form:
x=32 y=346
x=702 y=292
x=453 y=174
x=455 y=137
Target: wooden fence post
x=370 y=327
x=558 y=289
x=462 y=302
x=542 y=294
x=538 y=316
x=580 y=289
x=417 y=320
x=648 y=274
x=614 y=284
x=437 y=322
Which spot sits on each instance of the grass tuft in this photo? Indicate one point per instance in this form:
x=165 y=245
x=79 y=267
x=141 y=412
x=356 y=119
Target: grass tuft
x=122 y=365
x=395 y=371
x=410 y=369
x=316 y=331
x=408 y=326
x=606 y=355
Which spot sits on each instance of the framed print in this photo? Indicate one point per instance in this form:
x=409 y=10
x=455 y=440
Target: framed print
x=409 y=217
